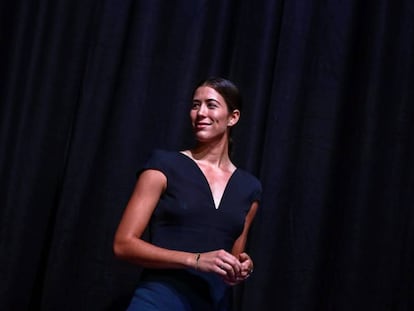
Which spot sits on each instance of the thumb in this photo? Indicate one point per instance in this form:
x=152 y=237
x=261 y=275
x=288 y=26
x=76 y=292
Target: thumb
x=243 y=257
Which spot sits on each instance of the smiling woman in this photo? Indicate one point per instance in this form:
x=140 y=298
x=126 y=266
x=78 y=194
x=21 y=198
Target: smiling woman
x=210 y=115
x=199 y=207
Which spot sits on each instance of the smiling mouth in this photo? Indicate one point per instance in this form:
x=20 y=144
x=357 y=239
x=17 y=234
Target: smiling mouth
x=201 y=125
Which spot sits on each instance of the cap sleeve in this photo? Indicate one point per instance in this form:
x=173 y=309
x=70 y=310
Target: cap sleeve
x=256 y=194
x=156 y=161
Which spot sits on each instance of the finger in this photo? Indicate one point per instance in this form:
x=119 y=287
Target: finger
x=246 y=262
x=228 y=268
x=220 y=268
x=230 y=263
x=235 y=263
x=243 y=257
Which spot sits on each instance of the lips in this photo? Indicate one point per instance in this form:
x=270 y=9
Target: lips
x=201 y=124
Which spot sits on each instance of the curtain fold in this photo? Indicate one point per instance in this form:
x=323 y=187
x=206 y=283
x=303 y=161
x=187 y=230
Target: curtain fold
x=89 y=88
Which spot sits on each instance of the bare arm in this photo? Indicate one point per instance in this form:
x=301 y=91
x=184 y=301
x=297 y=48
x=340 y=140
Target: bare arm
x=128 y=244
x=240 y=244
x=239 y=247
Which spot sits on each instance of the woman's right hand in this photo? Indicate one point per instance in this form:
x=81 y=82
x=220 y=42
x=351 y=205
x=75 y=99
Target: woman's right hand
x=220 y=262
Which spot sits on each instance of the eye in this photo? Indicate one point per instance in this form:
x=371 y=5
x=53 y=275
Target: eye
x=195 y=105
x=212 y=105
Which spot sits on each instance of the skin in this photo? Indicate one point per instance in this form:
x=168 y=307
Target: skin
x=211 y=121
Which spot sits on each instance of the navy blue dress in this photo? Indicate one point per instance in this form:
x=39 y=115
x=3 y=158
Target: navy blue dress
x=186 y=219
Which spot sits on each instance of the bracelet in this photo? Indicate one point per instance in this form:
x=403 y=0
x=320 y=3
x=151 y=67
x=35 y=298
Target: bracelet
x=197 y=259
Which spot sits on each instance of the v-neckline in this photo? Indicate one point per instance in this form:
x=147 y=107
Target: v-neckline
x=217 y=207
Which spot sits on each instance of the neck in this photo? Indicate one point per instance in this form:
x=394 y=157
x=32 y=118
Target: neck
x=214 y=154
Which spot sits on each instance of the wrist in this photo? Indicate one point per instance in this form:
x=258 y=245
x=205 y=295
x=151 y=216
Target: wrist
x=197 y=259
x=192 y=260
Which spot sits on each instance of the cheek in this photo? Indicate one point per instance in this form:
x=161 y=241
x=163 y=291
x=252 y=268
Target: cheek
x=222 y=119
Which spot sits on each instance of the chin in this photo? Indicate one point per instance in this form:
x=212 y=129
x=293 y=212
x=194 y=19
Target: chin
x=202 y=139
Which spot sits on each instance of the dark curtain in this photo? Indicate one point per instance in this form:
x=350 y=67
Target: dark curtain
x=89 y=88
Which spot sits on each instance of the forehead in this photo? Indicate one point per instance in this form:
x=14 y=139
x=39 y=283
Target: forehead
x=206 y=93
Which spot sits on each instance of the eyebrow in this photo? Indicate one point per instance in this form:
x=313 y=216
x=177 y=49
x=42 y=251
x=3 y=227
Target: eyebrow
x=209 y=100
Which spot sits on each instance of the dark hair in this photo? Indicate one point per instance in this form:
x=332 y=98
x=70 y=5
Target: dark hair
x=231 y=94
x=227 y=89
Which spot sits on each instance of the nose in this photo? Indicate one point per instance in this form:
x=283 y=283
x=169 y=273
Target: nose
x=201 y=110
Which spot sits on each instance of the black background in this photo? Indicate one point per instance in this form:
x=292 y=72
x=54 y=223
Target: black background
x=89 y=88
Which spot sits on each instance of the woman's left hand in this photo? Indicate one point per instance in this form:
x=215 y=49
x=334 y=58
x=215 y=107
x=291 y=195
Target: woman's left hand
x=247 y=269
x=247 y=265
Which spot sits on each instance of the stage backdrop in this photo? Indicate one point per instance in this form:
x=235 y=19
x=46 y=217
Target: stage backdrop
x=89 y=88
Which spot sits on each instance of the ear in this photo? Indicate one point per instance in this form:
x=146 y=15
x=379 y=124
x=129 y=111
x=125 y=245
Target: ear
x=234 y=117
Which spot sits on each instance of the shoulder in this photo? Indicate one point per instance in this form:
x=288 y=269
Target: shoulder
x=249 y=178
x=161 y=160
x=250 y=184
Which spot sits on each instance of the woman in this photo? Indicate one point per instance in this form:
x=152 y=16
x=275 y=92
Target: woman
x=198 y=207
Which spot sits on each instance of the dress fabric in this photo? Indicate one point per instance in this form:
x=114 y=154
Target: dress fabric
x=187 y=219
